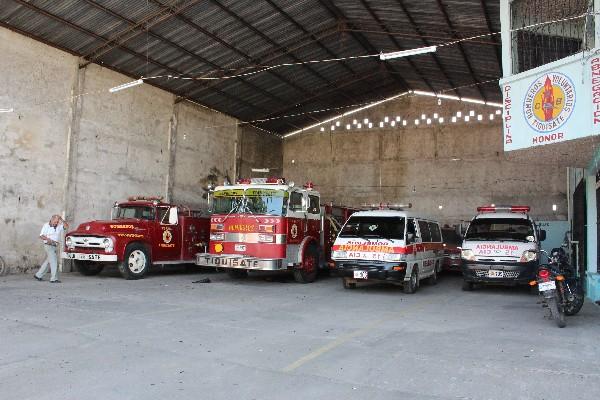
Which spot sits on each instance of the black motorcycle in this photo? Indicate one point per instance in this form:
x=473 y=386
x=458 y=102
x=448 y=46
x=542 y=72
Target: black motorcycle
x=559 y=287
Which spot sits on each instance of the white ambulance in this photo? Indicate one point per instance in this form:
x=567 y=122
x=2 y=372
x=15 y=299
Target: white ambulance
x=389 y=245
x=501 y=246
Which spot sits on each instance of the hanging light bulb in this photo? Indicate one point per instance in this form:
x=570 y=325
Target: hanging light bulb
x=348 y=127
x=428 y=121
x=393 y=123
x=459 y=114
x=386 y=119
x=337 y=123
x=435 y=115
x=404 y=123
x=479 y=117
x=398 y=119
x=381 y=124
x=453 y=119
x=322 y=129
x=441 y=120
x=416 y=122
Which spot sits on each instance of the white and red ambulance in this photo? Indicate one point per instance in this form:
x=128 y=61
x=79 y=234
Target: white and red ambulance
x=390 y=245
x=501 y=246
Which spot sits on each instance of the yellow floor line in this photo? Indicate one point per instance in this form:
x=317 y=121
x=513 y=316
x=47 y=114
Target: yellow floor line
x=345 y=338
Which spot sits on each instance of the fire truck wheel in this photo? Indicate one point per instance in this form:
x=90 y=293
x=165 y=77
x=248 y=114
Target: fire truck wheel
x=411 y=286
x=135 y=263
x=309 y=270
x=88 y=268
x=235 y=273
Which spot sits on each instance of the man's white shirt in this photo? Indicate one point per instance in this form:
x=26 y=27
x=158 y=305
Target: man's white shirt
x=52 y=233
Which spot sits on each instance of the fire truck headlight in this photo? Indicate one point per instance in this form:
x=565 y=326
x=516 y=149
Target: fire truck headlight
x=69 y=242
x=339 y=254
x=529 y=255
x=108 y=244
x=266 y=228
x=394 y=257
x=266 y=238
x=216 y=227
x=467 y=254
x=217 y=236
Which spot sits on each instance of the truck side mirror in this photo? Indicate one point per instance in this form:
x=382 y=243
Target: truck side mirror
x=410 y=237
x=542 y=235
x=173 y=218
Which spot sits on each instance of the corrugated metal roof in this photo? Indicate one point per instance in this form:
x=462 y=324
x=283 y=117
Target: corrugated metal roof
x=224 y=37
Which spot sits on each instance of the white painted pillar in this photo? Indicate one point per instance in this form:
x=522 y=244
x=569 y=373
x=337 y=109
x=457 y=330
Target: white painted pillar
x=505 y=26
x=592 y=275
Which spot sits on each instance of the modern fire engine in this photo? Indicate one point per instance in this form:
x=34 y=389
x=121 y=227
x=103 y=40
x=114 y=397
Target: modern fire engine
x=269 y=225
x=141 y=232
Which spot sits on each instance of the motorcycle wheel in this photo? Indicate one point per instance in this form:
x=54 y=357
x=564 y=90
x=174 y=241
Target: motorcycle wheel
x=573 y=307
x=556 y=312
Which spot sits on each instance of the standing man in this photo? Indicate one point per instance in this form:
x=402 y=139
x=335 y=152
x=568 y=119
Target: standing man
x=50 y=235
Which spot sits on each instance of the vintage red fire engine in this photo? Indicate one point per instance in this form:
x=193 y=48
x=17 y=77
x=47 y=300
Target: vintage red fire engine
x=142 y=232
x=268 y=225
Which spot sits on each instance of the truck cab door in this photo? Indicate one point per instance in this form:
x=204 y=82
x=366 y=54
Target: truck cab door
x=296 y=217
x=166 y=244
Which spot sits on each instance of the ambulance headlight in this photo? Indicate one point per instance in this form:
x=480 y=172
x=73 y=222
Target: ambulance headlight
x=394 y=257
x=529 y=255
x=467 y=254
x=339 y=254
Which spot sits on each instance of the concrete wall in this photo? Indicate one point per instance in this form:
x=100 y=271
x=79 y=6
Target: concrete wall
x=458 y=166
x=259 y=149
x=78 y=154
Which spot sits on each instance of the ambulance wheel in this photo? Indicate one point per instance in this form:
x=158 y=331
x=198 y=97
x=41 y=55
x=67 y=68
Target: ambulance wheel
x=309 y=269
x=136 y=262
x=348 y=285
x=88 y=268
x=467 y=286
x=433 y=279
x=235 y=273
x=411 y=286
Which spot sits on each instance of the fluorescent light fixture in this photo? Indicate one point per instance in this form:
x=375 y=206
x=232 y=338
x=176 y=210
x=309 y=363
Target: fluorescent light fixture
x=126 y=86
x=407 y=53
x=263 y=170
x=554 y=207
x=423 y=93
x=448 y=96
x=491 y=103
x=455 y=159
x=6 y=110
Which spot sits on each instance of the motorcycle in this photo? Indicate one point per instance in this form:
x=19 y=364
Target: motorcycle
x=559 y=287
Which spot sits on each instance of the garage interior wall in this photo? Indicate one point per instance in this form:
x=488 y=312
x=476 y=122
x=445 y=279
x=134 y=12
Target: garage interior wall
x=458 y=166
x=78 y=155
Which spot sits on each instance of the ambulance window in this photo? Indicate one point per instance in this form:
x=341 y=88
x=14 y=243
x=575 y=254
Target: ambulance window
x=313 y=204
x=436 y=235
x=296 y=201
x=424 y=229
x=410 y=230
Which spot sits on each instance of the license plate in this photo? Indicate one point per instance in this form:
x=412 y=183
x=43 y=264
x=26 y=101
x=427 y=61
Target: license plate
x=543 y=286
x=82 y=256
x=240 y=247
x=493 y=273
x=361 y=274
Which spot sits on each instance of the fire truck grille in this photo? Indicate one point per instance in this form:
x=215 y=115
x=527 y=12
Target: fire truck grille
x=87 y=241
x=483 y=273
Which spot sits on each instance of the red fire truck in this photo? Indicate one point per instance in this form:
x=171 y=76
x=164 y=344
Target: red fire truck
x=268 y=225
x=141 y=232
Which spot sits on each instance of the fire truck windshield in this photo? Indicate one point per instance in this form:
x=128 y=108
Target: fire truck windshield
x=374 y=227
x=139 y=212
x=500 y=229
x=251 y=201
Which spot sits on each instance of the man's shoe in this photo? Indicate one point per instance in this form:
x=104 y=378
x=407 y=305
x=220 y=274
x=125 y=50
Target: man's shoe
x=56 y=281
x=37 y=278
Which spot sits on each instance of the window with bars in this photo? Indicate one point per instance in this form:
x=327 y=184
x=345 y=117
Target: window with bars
x=548 y=30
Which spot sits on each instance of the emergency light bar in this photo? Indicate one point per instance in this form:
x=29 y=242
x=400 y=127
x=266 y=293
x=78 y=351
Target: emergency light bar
x=387 y=206
x=273 y=180
x=514 y=209
x=145 y=198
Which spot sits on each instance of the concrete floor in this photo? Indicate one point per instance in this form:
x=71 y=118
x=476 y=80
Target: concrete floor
x=165 y=337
